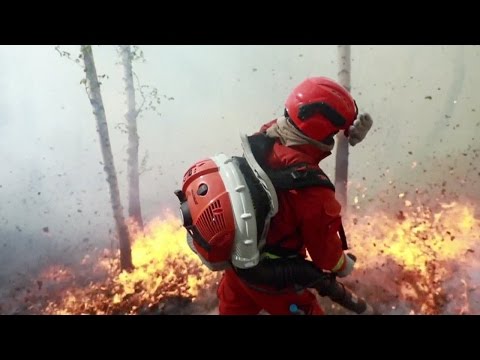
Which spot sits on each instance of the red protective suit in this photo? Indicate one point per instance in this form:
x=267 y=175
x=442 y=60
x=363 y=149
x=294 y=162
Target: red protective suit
x=308 y=218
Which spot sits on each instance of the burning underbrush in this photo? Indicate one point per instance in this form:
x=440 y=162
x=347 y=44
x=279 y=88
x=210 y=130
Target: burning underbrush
x=418 y=260
x=421 y=260
x=167 y=278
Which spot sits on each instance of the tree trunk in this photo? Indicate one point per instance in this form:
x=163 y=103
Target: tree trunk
x=134 y=209
x=95 y=97
x=341 y=160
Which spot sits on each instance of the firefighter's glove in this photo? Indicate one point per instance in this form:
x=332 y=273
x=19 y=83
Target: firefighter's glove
x=359 y=129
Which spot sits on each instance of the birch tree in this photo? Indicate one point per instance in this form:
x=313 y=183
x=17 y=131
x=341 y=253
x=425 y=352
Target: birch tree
x=134 y=208
x=95 y=97
x=341 y=160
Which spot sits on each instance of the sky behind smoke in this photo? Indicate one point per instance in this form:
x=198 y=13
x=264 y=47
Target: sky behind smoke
x=423 y=99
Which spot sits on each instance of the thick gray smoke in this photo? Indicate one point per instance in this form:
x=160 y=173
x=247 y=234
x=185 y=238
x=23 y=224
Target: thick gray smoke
x=54 y=201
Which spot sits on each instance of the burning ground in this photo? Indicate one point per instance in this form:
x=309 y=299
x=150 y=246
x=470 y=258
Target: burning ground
x=419 y=260
x=417 y=250
x=422 y=260
x=167 y=277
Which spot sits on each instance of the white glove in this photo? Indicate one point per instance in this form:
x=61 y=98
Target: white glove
x=359 y=129
x=348 y=266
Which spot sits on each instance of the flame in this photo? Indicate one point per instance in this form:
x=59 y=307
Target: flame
x=165 y=267
x=418 y=236
x=413 y=261
x=57 y=273
x=411 y=257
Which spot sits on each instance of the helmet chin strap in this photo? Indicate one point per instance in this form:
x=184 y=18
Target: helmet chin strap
x=289 y=135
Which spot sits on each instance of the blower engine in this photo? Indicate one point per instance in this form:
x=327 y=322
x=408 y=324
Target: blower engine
x=226 y=205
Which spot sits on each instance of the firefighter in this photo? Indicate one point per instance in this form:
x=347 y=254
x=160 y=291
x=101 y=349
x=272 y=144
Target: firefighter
x=310 y=218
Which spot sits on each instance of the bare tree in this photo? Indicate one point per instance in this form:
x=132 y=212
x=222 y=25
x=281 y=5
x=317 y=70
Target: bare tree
x=134 y=208
x=341 y=160
x=95 y=97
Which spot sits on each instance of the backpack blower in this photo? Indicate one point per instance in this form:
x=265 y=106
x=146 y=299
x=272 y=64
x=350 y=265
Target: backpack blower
x=226 y=204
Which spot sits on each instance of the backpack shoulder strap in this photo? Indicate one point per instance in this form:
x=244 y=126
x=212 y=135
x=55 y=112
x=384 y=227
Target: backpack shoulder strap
x=299 y=176
x=261 y=145
x=296 y=176
x=343 y=237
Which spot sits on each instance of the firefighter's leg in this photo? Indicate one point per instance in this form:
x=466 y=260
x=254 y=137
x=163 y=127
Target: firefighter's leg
x=280 y=304
x=233 y=297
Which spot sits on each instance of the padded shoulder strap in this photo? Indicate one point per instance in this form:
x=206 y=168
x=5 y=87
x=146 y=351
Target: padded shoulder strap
x=296 y=176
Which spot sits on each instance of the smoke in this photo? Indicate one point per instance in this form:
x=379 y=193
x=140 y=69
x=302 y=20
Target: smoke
x=53 y=193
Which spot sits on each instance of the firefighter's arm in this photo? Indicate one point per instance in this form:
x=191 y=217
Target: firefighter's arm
x=320 y=225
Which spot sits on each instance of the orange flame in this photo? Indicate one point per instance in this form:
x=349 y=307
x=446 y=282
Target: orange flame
x=164 y=267
x=410 y=263
x=422 y=245
x=416 y=237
